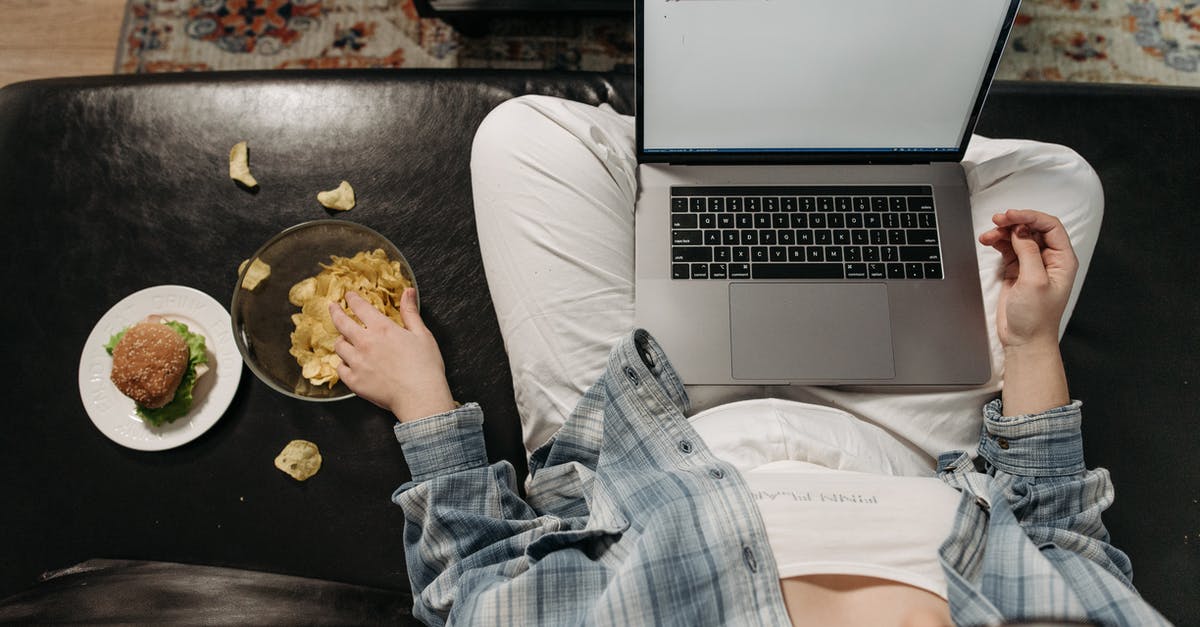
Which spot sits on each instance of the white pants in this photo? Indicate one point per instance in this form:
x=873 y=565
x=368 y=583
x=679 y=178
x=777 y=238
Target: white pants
x=554 y=184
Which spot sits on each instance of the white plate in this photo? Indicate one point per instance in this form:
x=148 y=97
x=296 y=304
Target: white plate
x=114 y=413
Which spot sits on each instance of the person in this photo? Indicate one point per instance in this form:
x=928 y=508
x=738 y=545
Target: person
x=749 y=506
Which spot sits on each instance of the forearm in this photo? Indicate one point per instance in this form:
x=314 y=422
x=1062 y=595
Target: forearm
x=1034 y=379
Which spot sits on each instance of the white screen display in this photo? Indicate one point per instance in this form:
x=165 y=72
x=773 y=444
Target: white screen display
x=813 y=75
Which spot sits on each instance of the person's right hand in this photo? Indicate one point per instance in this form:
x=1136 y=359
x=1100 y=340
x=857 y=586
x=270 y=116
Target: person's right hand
x=398 y=368
x=1039 y=270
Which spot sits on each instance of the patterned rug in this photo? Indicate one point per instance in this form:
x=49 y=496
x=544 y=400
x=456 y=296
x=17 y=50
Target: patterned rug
x=1131 y=41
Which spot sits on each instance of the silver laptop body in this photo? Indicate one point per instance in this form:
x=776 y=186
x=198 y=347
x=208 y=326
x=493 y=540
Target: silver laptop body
x=826 y=122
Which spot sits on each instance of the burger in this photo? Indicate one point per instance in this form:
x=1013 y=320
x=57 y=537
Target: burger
x=156 y=363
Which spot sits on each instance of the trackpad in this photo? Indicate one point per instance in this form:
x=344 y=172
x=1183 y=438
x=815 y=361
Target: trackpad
x=810 y=331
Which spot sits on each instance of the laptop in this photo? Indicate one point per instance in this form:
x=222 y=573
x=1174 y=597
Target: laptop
x=803 y=215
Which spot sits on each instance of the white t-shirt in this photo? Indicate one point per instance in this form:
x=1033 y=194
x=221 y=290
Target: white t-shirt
x=837 y=495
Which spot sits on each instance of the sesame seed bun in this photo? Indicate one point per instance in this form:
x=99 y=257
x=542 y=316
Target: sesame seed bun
x=148 y=364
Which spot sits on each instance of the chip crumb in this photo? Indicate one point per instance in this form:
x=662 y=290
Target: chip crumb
x=239 y=165
x=300 y=458
x=340 y=199
x=258 y=272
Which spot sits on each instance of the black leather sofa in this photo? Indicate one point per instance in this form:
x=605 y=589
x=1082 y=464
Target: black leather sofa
x=113 y=184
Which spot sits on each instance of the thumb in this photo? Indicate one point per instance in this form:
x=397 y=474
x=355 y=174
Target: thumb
x=408 y=310
x=1029 y=255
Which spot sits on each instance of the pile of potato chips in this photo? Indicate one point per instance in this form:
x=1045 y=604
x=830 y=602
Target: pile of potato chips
x=376 y=278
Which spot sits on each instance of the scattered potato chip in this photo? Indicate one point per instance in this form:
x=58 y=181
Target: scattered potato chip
x=257 y=273
x=341 y=199
x=300 y=458
x=239 y=165
x=376 y=278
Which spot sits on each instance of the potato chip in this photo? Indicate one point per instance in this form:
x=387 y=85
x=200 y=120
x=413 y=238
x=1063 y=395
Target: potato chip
x=239 y=165
x=257 y=273
x=300 y=458
x=341 y=199
x=379 y=280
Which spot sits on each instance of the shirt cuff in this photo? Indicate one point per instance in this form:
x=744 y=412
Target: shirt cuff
x=1045 y=444
x=443 y=443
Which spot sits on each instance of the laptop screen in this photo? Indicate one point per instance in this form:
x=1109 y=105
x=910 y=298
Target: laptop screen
x=815 y=80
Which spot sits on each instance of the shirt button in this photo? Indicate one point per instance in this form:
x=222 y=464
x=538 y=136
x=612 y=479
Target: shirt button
x=632 y=375
x=716 y=473
x=685 y=447
x=748 y=557
x=1002 y=443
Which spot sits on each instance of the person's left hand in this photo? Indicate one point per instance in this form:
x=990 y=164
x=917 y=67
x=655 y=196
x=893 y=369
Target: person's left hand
x=1039 y=270
x=397 y=368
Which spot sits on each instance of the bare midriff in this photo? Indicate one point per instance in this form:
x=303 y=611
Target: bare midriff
x=854 y=600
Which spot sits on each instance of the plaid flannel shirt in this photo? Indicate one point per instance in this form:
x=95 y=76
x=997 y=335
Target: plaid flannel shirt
x=630 y=520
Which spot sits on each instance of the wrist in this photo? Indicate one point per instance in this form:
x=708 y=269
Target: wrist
x=1034 y=378
x=424 y=405
x=1038 y=348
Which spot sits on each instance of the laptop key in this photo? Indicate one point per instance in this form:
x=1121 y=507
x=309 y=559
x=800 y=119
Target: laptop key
x=712 y=238
x=679 y=203
x=914 y=271
x=696 y=205
x=933 y=270
x=684 y=221
x=895 y=270
x=686 y=238
x=679 y=271
x=716 y=203
x=922 y=236
x=920 y=203
x=798 y=271
x=699 y=270
x=739 y=270
x=690 y=254
x=718 y=271
x=876 y=271
x=722 y=253
x=733 y=204
x=920 y=253
x=856 y=271
x=708 y=221
x=741 y=253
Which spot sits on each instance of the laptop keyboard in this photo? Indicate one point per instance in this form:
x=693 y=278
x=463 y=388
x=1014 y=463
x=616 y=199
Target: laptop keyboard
x=809 y=232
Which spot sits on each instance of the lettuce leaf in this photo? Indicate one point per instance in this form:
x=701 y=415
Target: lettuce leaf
x=179 y=406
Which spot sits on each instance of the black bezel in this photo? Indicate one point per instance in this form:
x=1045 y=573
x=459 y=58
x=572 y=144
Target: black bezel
x=813 y=158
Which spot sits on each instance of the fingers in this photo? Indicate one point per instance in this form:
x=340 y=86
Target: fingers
x=365 y=311
x=1051 y=229
x=1029 y=255
x=347 y=352
x=408 y=310
x=345 y=325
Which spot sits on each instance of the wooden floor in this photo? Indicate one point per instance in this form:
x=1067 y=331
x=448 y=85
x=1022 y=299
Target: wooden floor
x=48 y=38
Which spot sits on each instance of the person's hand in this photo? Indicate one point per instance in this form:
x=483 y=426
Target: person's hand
x=397 y=368
x=1039 y=269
